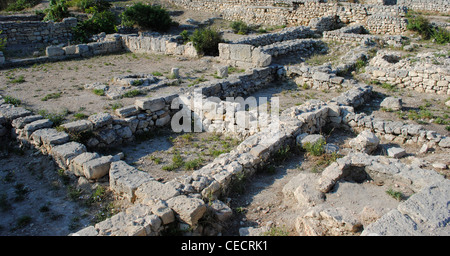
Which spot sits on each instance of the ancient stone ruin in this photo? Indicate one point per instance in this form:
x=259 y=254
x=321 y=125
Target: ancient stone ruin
x=386 y=170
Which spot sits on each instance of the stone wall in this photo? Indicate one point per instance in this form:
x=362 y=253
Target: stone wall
x=442 y=6
x=112 y=43
x=358 y=34
x=424 y=73
x=36 y=34
x=303 y=13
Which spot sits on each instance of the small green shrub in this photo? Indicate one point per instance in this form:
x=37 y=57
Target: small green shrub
x=2 y=42
x=56 y=11
x=56 y=118
x=395 y=194
x=99 y=92
x=206 y=41
x=20 y=5
x=422 y=26
x=315 y=149
x=104 y=21
x=239 y=27
x=12 y=100
x=49 y=96
x=441 y=35
x=147 y=17
x=132 y=93
x=90 y=6
x=193 y=164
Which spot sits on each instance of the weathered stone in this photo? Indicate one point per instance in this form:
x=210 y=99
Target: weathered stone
x=39 y=124
x=49 y=137
x=391 y=103
x=302 y=188
x=64 y=153
x=20 y=122
x=304 y=138
x=162 y=121
x=333 y=221
x=152 y=104
x=366 y=142
x=125 y=179
x=100 y=120
x=127 y=111
x=396 y=152
x=393 y=223
x=222 y=71
x=52 y=51
x=221 y=211
x=97 y=167
x=155 y=190
x=76 y=164
x=189 y=209
x=445 y=142
x=78 y=126
x=429 y=207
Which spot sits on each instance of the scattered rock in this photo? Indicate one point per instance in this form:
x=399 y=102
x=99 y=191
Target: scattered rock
x=392 y=103
x=366 y=142
x=396 y=152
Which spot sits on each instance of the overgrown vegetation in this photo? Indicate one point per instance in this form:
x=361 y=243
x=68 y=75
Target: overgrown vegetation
x=239 y=27
x=206 y=41
x=90 y=6
x=104 y=21
x=57 y=11
x=422 y=26
x=147 y=17
x=18 y=5
x=2 y=42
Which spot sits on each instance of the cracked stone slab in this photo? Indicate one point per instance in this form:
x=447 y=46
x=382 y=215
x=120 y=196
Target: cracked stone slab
x=125 y=179
x=189 y=209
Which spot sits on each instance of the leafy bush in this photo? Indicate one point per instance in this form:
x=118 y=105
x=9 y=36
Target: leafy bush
x=99 y=22
x=315 y=149
x=19 y=5
x=90 y=6
x=56 y=11
x=422 y=26
x=239 y=27
x=147 y=17
x=206 y=41
x=2 y=42
x=441 y=35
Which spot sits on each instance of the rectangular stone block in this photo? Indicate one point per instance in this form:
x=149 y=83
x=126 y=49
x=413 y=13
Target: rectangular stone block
x=152 y=104
x=66 y=152
x=97 y=168
x=125 y=179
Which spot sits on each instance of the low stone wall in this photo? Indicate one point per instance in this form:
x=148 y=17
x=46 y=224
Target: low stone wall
x=432 y=75
x=442 y=6
x=36 y=34
x=301 y=13
x=249 y=56
x=357 y=34
x=285 y=34
x=112 y=43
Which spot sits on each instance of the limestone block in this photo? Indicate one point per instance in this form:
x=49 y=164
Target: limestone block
x=127 y=111
x=76 y=164
x=189 y=209
x=52 y=51
x=221 y=211
x=78 y=126
x=396 y=152
x=241 y=52
x=392 y=103
x=9 y=112
x=49 y=137
x=366 y=142
x=38 y=124
x=97 y=167
x=100 y=120
x=155 y=190
x=125 y=179
x=151 y=104
x=66 y=152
